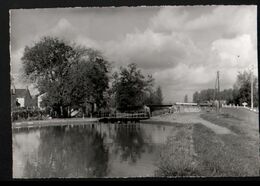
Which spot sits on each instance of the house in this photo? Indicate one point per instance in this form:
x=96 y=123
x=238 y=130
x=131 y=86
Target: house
x=21 y=98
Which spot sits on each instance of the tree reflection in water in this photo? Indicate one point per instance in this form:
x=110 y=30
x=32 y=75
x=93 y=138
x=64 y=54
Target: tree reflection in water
x=69 y=152
x=130 y=142
x=80 y=151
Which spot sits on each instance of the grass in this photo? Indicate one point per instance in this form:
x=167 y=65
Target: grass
x=224 y=155
x=225 y=120
x=176 y=158
x=195 y=150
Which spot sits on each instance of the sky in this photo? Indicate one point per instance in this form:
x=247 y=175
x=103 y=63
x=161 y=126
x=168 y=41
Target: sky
x=183 y=47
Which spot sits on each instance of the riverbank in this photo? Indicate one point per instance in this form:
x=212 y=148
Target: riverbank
x=208 y=144
x=53 y=122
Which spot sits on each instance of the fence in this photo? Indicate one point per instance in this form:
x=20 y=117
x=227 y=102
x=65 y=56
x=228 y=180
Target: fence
x=256 y=109
x=122 y=115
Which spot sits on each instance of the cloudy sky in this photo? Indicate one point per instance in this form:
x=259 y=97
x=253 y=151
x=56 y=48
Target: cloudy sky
x=181 y=46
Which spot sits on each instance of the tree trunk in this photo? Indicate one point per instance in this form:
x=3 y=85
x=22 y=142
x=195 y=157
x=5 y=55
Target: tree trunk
x=61 y=111
x=69 y=112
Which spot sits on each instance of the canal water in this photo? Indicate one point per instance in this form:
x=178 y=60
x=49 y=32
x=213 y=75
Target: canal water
x=87 y=151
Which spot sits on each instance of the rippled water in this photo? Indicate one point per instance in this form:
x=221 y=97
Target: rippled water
x=93 y=150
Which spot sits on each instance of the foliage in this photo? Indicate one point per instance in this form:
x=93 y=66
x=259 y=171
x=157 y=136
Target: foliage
x=28 y=114
x=159 y=95
x=186 y=98
x=203 y=96
x=131 y=87
x=154 y=97
x=69 y=75
x=241 y=92
x=243 y=86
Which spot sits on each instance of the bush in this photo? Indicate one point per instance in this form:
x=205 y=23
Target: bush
x=28 y=114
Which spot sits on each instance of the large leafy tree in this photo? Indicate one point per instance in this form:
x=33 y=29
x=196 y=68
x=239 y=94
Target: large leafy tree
x=243 y=88
x=69 y=75
x=131 y=87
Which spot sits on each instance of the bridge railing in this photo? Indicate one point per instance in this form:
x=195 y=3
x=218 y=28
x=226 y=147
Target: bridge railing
x=123 y=115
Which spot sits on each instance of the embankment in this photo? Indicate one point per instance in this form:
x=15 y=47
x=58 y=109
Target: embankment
x=243 y=114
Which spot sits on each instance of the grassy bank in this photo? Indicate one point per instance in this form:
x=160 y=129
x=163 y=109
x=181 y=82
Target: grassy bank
x=224 y=155
x=195 y=150
x=177 y=158
x=247 y=131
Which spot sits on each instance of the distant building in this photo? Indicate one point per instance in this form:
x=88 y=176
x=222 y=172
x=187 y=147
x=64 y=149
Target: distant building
x=21 y=98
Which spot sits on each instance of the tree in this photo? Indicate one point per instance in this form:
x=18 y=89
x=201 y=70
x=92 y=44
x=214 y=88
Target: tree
x=196 y=97
x=243 y=85
x=203 y=96
x=159 y=95
x=241 y=91
x=131 y=87
x=186 y=98
x=69 y=75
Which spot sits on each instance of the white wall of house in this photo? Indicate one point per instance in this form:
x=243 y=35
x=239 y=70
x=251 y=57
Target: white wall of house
x=21 y=101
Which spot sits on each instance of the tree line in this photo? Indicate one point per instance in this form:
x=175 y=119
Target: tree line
x=74 y=77
x=238 y=94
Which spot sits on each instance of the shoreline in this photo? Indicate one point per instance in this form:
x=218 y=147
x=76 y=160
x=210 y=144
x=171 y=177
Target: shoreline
x=53 y=122
x=81 y=121
x=155 y=120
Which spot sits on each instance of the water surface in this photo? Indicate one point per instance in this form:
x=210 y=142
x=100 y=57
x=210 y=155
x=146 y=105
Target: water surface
x=92 y=150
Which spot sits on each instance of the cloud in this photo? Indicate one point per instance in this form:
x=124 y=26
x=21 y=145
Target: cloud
x=152 y=50
x=168 y=19
x=182 y=47
x=64 y=29
x=237 y=53
x=230 y=49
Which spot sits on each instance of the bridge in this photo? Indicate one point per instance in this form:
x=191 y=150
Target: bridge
x=123 y=117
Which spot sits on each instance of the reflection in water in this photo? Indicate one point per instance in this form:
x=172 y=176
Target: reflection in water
x=98 y=150
x=130 y=140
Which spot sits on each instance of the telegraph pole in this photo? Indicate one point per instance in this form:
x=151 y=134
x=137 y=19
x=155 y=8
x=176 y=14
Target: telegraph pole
x=217 y=93
x=252 y=88
x=218 y=97
x=218 y=85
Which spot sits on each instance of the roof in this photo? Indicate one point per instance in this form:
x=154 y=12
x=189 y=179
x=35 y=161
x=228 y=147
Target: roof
x=41 y=95
x=21 y=92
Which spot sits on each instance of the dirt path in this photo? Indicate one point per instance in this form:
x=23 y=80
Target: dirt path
x=191 y=118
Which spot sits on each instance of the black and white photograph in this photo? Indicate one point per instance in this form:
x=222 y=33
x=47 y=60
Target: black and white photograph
x=134 y=92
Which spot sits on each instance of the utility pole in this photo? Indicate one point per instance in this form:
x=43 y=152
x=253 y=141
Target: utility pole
x=252 y=88
x=218 y=85
x=218 y=92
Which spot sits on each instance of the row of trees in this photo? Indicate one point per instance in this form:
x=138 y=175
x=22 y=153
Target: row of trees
x=241 y=92
x=73 y=77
